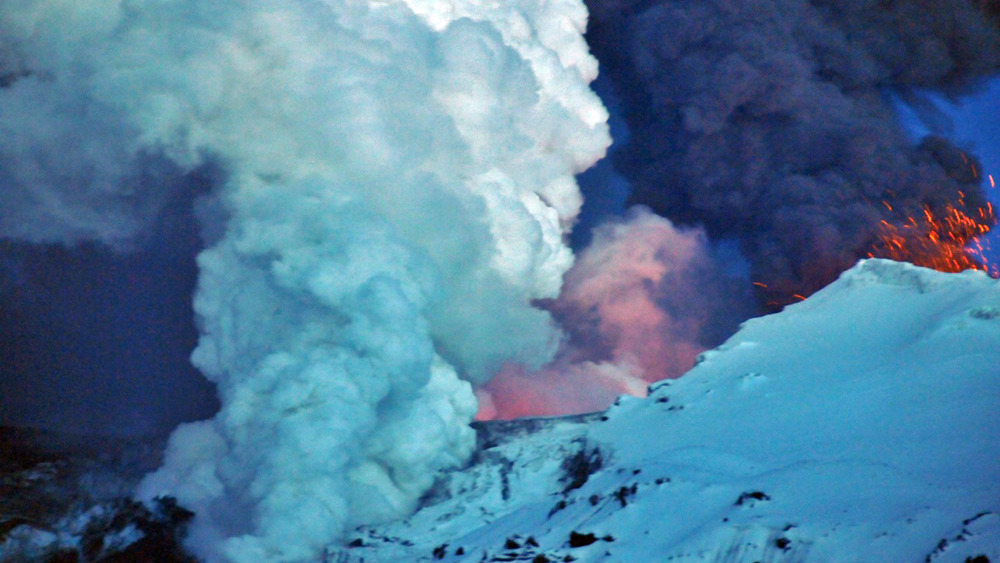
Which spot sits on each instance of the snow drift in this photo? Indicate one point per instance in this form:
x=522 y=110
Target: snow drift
x=396 y=181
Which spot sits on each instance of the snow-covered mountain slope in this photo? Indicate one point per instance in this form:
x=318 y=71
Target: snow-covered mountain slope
x=860 y=425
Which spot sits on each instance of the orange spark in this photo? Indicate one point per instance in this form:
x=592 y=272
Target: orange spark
x=948 y=241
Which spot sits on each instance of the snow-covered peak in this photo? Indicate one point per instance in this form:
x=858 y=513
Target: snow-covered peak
x=859 y=425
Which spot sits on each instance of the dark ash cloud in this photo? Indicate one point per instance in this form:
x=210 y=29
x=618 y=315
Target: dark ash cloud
x=770 y=121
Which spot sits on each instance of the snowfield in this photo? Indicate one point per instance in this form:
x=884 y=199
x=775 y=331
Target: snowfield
x=860 y=425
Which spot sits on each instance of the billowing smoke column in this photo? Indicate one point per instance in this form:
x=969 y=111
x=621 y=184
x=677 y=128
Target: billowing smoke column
x=396 y=184
x=770 y=121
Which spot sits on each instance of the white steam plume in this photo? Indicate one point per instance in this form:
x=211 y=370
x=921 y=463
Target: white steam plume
x=398 y=181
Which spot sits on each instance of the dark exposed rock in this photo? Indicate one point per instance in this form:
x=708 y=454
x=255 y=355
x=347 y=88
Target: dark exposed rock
x=577 y=539
x=625 y=493
x=49 y=480
x=579 y=467
x=750 y=496
x=440 y=551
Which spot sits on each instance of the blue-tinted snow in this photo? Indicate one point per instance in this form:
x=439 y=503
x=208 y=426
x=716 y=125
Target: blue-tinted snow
x=859 y=425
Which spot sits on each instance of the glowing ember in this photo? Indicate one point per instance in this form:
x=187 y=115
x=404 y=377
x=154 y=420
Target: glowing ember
x=948 y=241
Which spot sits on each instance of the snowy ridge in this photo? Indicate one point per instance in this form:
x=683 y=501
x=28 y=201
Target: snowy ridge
x=859 y=425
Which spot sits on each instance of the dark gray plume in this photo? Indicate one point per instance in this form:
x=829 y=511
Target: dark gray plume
x=770 y=121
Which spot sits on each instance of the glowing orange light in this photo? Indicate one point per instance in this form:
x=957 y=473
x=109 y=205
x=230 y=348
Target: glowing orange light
x=992 y=183
x=948 y=241
x=758 y=284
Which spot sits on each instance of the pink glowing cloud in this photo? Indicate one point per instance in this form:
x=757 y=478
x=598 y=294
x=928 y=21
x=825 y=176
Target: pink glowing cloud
x=632 y=307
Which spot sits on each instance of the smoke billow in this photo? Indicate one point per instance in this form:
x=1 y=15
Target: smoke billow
x=98 y=191
x=396 y=181
x=771 y=121
x=640 y=303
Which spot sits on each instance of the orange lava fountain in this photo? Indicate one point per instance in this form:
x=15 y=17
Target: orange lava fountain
x=948 y=240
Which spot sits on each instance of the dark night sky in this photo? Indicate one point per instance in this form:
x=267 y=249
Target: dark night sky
x=98 y=341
